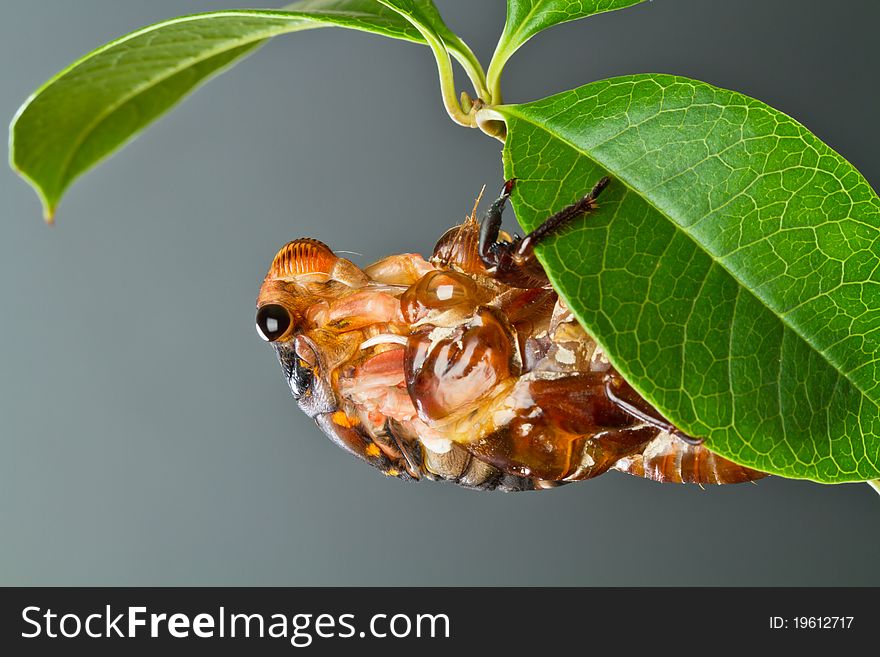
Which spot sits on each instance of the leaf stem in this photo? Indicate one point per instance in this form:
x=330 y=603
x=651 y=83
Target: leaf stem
x=447 y=80
x=473 y=69
x=444 y=69
x=442 y=51
x=875 y=484
x=493 y=74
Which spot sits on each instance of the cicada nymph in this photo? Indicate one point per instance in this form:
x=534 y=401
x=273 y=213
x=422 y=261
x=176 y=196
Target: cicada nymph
x=466 y=367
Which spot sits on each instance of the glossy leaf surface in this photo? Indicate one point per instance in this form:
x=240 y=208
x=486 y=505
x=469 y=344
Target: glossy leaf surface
x=732 y=272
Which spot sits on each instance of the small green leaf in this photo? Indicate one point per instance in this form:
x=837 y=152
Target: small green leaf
x=732 y=272
x=97 y=104
x=525 y=18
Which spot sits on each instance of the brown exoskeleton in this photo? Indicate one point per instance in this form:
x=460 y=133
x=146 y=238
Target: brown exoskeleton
x=467 y=367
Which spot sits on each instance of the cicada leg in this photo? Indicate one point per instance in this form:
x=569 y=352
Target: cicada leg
x=555 y=428
x=672 y=456
x=569 y=429
x=646 y=416
x=348 y=432
x=514 y=262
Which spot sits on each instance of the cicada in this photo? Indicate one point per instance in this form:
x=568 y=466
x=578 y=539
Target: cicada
x=466 y=367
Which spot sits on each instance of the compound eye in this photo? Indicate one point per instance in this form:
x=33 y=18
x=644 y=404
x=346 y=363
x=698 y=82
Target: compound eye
x=272 y=322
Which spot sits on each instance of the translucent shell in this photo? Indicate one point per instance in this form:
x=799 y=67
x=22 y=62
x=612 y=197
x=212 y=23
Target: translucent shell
x=439 y=370
x=459 y=246
x=303 y=256
x=448 y=370
x=438 y=290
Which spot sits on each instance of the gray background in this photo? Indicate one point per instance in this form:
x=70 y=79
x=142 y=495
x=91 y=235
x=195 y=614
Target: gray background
x=146 y=435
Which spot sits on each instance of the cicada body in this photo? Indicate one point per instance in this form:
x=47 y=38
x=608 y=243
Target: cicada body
x=465 y=367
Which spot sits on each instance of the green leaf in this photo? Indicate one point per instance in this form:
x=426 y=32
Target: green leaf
x=525 y=18
x=732 y=272
x=98 y=103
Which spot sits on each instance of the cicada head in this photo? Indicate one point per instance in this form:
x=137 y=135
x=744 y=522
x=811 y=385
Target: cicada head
x=304 y=272
x=304 y=277
x=307 y=306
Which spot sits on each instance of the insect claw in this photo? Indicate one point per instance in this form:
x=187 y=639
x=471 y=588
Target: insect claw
x=508 y=186
x=599 y=186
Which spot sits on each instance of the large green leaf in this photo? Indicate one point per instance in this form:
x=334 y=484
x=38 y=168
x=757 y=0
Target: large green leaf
x=732 y=272
x=525 y=18
x=97 y=104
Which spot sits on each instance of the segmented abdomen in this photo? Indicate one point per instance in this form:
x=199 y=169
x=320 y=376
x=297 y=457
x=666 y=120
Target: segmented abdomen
x=670 y=460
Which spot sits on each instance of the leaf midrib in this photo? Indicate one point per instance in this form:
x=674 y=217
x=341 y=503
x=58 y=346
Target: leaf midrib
x=520 y=28
x=508 y=109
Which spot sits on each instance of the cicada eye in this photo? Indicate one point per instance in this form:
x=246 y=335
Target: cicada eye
x=272 y=322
